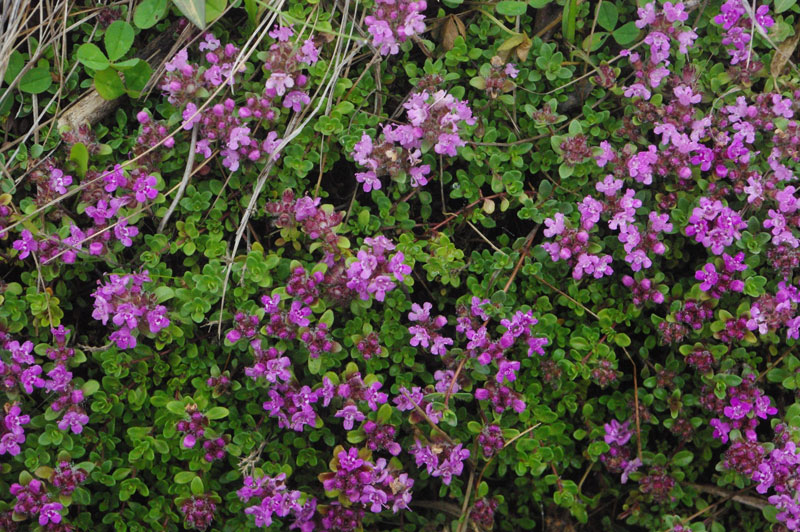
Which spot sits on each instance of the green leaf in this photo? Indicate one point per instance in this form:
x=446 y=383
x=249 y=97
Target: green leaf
x=164 y=293
x=607 y=16
x=784 y=5
x=16 y=62
x=537 y=4
x=593 y=42
x=214 y=9
x=36 y=80
x=177 y=407
x=80 y=156
x=92 y=56
x=148 y=13
x=622 y=340
x=194 y=10
x=136 y=78
x=127 y=64
x=626 y=33
x=184 y=477
x=511 y=8
x=108 y=84
x=314 y=365
x=682 y=458
x=327 y=318
x=384 y=413
x=218 y=412
x=197 y=486
x=569 y=19
x=754 y=286
x=253 y=11
x=90 y=387
x=118 y=39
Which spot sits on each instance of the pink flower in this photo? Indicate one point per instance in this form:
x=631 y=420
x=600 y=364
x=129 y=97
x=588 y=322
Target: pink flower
x=144 y=188
x=685 y=95
x=26 y=244
x=50 y=513
x=278 y=82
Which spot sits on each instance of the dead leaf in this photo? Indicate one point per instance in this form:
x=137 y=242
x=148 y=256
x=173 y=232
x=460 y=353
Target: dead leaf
x=784 y=53
x=524 y=48
x=450 y=29
x=509 y=44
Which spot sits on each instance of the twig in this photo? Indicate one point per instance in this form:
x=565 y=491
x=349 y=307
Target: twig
x=774 y=364
x=747 y=500
x=463 y=519
x=187 y=173
x=636 y=405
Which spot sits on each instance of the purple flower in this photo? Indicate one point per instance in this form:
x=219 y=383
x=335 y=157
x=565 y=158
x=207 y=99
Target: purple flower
x=124 y=232
x=507 y=370
x=617 y=433
x=296 y=100
x=123 y=338
x=448 y=143
x=26 y=244
x=58 y=181
x=631 y=467
x=282 y=33
x=721 y=429
x=144 y=188
x=50 y=513
x=298 y=313
x=278 y=82
x=74 y=420
x=350 y=414
x=375 y=498
x=157 y=319
x=511 y=70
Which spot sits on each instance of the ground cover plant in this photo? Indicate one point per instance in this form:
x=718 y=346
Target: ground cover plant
x=399 y=265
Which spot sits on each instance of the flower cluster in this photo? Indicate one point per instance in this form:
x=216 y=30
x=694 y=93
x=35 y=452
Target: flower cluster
x=274 y=499
x=769 y=312
x=392 y=22
x=227 y=125
x=499 y=78
x=643 y=290
x=381 y=436
x=434 y=120
x=491 y=440
x=244 y=326
x=717 y=283
x=481 y=346
x=665 y=28
x=32 y=499
x=618 y=458
x=193 y=428
x=746 y=405
x=198 y=511
x=66 y=478
x=12 y=435
x=123 y=300
x=376 y=485
x=22 y=371
x=443 y=459
x=105 y=195
x=374 y=272
x=739 y=28
x=304 y=215
x=714 y=225
x=425 y=331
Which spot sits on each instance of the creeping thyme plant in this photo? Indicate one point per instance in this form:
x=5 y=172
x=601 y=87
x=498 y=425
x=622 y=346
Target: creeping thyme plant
x=400 y=265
